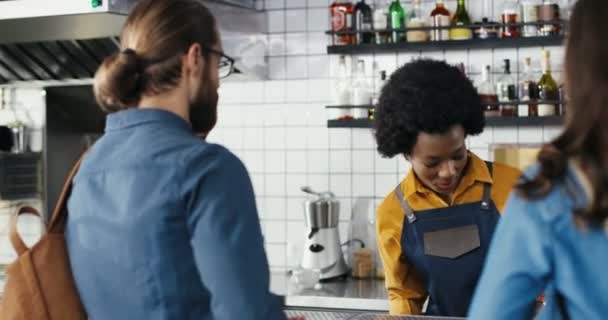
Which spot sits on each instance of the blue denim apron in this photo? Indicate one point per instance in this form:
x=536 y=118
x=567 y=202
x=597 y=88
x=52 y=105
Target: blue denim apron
x=447 y=247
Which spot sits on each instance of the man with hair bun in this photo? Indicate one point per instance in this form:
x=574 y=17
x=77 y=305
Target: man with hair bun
x=162 y=224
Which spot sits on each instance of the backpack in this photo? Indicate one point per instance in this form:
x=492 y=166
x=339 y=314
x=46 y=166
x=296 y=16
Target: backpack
x=39 y=284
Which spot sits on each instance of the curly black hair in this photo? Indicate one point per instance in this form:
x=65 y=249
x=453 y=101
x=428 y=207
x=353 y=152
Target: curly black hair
x=424 y=96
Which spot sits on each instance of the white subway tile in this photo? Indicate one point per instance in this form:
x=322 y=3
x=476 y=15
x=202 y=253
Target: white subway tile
x=296 y=43
x=291 y=4
x=403 y=166
x=276 y=255
x=478 y=59
x=319 y=91
x=483 y=153
x=275 y=232
x=276 y=21
x=296 y=90
x=252 y=92
x=274 y=4
x=340 y=185
x=384 y=184
x=500 y=55
x=551 y=132
x=276 y=44
x=385 y=165
x=276 y=68
x=253 y=138
x=363 y=161
x=274 y=138
x=530 y=135
x=434 y=55
x=318 y=3
x=295 y=206
x=233 y=138
x=363 y=185
x=340 y=138
x=318 y=182
x=257 y=180
x=387 y=62
x=483 y=139
x=296 y=236
x=294 y=184
x=229 y=116
x=274 y=91
x=275 y=185
x=297 y=67
x=318 y=19
x=318 y=161
x=254 y=161
x=318 y=67
x=296 y=115
x=505 y=135
x=405 y=57
x=364 y=139
x=318 y=138
x=340 y=161
x=317 y=115
x=295 y=138
x=274 y=161
x=296 y=161
x=275 y=208
x=317 y=43
x=295 y=20
x=456 y=57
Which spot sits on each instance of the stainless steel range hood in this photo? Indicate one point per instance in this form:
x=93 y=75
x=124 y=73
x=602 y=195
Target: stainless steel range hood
x=41 y=40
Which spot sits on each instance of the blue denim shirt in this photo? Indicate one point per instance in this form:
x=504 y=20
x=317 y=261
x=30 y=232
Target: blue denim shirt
x=537 y=248
x=163 y=225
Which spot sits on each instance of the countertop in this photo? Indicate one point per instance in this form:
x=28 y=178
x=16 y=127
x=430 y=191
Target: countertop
x=348 y=294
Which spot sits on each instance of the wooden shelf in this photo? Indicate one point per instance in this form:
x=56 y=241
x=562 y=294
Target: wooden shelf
x=490 y=121
x=447 y=45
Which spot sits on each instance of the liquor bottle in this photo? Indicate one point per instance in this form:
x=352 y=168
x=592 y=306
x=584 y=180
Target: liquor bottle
x=362 y=93
x=506 y=90
x=416 y=20
x=342 y=92
x=397 y=19
x=341 y=12
x=547 y=89
x=527 y=92
x=381 y=22
x=510 y=14
x=362 y=22
x=487 y=94
x=460 y=23
x=440 y=17
x=529 y=14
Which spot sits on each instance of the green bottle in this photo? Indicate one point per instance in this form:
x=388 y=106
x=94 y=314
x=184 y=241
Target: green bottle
x=397 y=19
x=461 y=19
x=96 y=3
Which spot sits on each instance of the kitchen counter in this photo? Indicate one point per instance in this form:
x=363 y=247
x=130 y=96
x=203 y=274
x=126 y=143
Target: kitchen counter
x=348 y=294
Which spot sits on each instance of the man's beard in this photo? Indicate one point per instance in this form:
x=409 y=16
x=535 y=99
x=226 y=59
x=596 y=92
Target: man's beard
x=203 y=112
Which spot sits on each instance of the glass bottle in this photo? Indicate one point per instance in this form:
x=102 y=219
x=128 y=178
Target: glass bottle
x=460 y=23
x=341 y=92
x=506 y=90
x=487 y=94
x=363 y=21
x=341 y=13
x=381 y=22
x=529 y=14
x=510 y=14
x=397 y=19
x=548 y=92
x=377 y=91
x=362 y=93
x=416 y=20
x=440 y=17
x=527 y=92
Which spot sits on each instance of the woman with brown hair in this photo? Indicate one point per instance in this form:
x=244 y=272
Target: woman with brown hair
x=554 y=235
x=161 y=224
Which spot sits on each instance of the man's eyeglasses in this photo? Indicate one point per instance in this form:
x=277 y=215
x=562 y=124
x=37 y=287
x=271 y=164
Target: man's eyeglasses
x=226 y=64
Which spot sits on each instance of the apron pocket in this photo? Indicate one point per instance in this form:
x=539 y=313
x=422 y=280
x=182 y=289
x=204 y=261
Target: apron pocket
x=451 y=243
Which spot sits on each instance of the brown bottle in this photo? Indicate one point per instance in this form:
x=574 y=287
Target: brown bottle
x=440 y=17
x=341 y=13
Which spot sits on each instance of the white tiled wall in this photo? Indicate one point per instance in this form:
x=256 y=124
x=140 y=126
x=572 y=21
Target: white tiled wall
x=278 y=126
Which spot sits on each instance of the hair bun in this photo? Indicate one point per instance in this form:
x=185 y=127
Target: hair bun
x=118 y=83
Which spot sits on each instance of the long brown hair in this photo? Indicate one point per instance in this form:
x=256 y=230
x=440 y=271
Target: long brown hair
x=585 y=136
x=156 y=35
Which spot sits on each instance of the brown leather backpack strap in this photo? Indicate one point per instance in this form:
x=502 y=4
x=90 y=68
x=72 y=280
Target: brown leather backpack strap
x=16 y=239
x=58 y=219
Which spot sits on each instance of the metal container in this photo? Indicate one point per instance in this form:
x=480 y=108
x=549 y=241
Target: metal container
x=322 y=213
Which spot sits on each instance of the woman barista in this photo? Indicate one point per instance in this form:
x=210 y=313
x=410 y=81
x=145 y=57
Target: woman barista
x=435 y=227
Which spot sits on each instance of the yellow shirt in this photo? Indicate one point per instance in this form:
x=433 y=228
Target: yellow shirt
x=405 y=290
